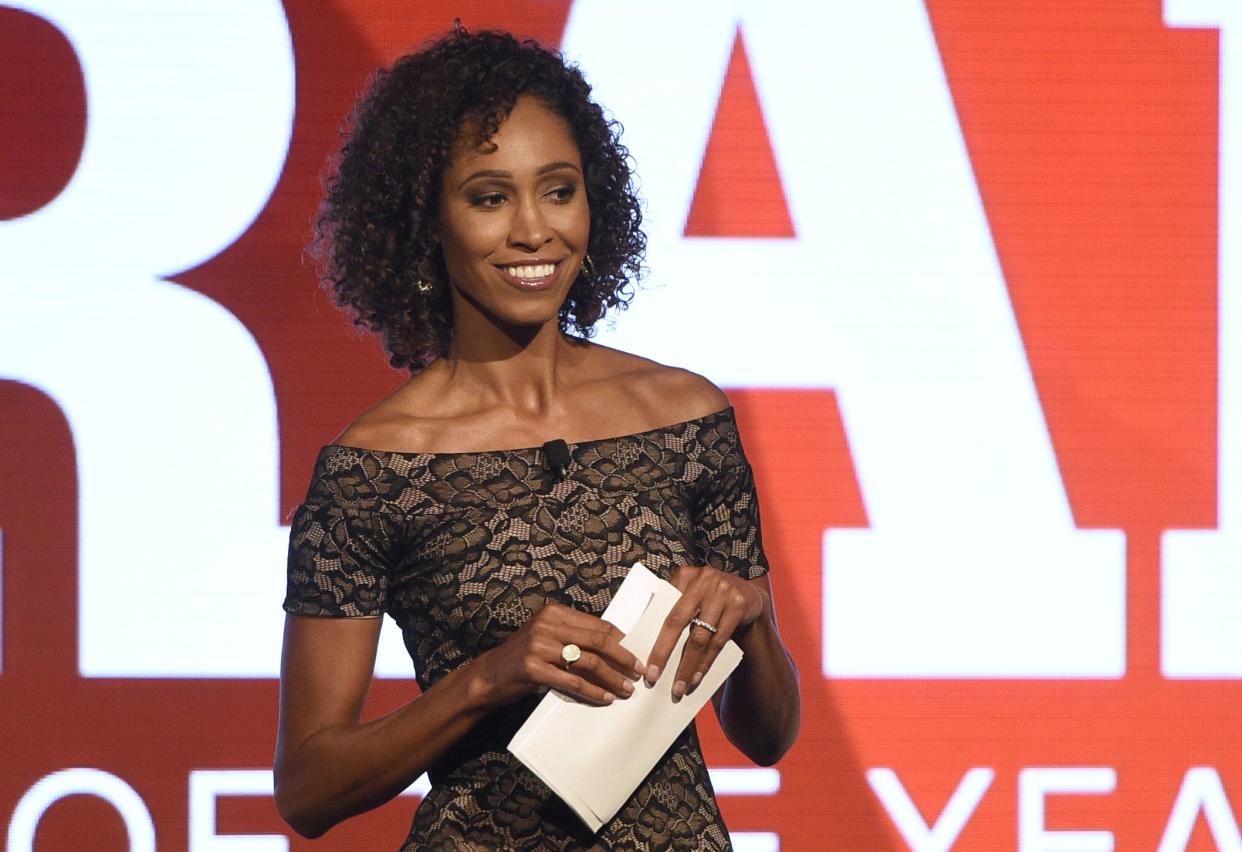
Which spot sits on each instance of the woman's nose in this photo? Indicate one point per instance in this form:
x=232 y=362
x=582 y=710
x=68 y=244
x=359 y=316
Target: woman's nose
x=529 y=229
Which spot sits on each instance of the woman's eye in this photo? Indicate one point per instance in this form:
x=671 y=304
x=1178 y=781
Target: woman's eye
x=488 y=199
x=562 y=193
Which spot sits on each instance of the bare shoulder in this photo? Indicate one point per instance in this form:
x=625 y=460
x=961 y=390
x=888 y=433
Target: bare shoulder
x=685 y=394
x=401 y=420
x=670 y=394
x=372 y=430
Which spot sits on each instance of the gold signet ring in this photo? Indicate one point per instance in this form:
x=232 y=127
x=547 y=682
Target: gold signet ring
x=570 y=653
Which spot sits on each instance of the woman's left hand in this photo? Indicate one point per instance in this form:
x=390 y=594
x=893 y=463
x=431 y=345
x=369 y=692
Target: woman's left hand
x=724 y=601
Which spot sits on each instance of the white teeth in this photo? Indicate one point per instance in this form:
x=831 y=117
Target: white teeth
x=542 y=270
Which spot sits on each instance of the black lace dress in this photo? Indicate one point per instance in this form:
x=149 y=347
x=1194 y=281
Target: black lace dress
x=462 y=548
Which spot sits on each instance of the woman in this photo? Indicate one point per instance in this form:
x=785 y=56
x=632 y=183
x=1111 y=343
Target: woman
x=482 y=220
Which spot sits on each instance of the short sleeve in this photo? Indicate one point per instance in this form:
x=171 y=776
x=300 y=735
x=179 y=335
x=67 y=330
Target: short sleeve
x=727 y=533
x=339 y=545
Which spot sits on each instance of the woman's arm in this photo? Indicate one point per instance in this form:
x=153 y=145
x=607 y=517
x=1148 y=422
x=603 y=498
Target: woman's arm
x=759 y=706
x=329 y=766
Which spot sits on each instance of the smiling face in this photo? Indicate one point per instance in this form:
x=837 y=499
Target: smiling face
x=514 y=221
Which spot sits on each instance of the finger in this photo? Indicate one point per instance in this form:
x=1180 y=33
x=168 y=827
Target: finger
x=597 y=670
x=588 y=631
x=675 y=622
x=604 y=640
x=573 y=684
x=558 y=615
x=724 y=631
x=698 y=643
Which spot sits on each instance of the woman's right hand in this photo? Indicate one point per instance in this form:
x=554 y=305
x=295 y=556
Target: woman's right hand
x=531 y=659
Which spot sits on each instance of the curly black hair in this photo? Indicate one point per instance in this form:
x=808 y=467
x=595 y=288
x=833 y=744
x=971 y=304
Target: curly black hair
x=375 y=234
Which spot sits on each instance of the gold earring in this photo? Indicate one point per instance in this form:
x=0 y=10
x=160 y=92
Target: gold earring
x=424 y=287
x=588 y=267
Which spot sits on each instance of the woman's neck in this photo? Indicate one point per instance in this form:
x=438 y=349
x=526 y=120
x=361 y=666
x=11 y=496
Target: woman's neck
x=523 y=369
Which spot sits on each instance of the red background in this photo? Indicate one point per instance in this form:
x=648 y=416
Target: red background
x=1092 y=130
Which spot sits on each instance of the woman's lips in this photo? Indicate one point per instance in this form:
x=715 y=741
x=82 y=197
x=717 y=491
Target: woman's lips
x=531 y=276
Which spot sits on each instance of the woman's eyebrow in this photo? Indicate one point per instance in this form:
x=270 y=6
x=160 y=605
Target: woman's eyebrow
x=559 y=164
x=496 y=173
x=500 y=173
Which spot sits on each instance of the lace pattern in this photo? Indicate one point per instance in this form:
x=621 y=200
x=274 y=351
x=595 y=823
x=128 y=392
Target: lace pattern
x=462 y=548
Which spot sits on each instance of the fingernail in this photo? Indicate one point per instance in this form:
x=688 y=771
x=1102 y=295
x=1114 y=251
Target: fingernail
x=609 y=698
x=653 y=674
x=627 y=687
x=679 y=689
x=696 y=680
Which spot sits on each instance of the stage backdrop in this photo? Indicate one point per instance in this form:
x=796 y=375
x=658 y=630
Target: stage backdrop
x=969 y=270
